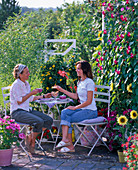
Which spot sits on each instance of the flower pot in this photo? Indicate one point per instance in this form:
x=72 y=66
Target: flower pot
x=121 y=157
x=6 y=157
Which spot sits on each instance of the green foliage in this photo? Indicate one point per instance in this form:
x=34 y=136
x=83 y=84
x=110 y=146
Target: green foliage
x=118 y=64
x=23 y=42
x=49 y=72
x=8 y=8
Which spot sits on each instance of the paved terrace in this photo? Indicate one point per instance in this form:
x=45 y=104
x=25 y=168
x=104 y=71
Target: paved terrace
x=100 y=158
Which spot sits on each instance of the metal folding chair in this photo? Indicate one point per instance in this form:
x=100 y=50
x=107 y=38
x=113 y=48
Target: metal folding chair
x=24 y=126
x=93 y=123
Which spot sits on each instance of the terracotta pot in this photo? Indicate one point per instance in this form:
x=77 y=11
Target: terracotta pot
x=121 y=157
x=6 y=157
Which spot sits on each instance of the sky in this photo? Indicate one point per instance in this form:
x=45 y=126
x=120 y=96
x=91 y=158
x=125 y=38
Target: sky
x=44 y=3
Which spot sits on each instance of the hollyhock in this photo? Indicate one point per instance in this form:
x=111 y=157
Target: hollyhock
x=103 y=4
x=122 y=18
x=115 y=62
x=128 y=34
x=109 y=42
x=101 y=59
x=118 y=72
x=128 y=51
x=122 y=9
x=97 y=59
x=129 y=48
x=103 y=12
x=122 y=36
x=98 y=65
x=125 y=19
x=101 y=67
x=132 y=55
x=108 y=9
x=127 y=1
x=105 y=32
x=99 y=53
x=98 y=71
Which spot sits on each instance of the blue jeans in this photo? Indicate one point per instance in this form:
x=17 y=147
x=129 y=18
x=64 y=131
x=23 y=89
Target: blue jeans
x=73 y=116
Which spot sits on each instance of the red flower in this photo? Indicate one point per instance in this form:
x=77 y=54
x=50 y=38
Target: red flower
x=112 y=15
x=75 y=87
x=128 y=34
x=99 y=53
x=105 y=32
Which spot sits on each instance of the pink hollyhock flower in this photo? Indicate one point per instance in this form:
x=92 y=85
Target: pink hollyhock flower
x=98 y=65
x=115 y=62
x=108 y=9
x=109 y=42
x=125 y=19
x=132 y=55
x=103 y=4
x=112 y=15
x=129 y=48
x=122 y=9
x=105 y=32
x=97 y=59
x=101 y=59
x=99 y=53
x=127 y=8
x=109 y=4
x=103 y=12
x=128 y=51
x=128 y=34
x=122 y=18
x=101 y=67
x=112 y=8
x=98 y=71
x=122 y=35
x=118 y=72
x=127 y=1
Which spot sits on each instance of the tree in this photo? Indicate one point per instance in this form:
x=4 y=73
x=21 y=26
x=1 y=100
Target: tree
x=7 y=8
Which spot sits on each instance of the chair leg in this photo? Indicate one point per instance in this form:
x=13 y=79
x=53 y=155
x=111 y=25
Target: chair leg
x=25 y=150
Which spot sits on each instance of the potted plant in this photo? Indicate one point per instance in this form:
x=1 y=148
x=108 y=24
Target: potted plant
x=9 y=135
x=131 y=152
x=121 y=124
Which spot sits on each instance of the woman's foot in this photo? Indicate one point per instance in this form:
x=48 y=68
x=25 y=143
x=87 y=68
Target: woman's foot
x=69 y=148
x=62 y=144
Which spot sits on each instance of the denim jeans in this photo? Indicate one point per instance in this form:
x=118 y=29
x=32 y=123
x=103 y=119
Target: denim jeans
x=73 y=116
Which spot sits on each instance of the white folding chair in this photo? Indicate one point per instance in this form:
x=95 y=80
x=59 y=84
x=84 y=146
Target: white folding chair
x=93 y=123
x=24 y=126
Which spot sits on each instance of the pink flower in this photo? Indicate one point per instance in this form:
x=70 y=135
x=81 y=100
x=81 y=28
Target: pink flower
x=7 y=127
x=103 y=4
x=122 y=35
x=127 y=1
x=118 y=72
x=103 y=12
x=129 y=48
x=105 y=32
x=115 y=62
x=99 y=53
x=132 y=55
x=125 y=19
x=98 y=71
x=97 y=59
x=101 y=67
x=98 y=65
x=128 y=51
x=122 y=18
x=101 y=59
x=112 y=8
x=122 y=9
x=128 y=34
x=127 y=8
x=22 y=136
x=112 y=15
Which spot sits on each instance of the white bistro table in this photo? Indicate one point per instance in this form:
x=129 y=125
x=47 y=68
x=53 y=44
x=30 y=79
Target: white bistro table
x=50 y=102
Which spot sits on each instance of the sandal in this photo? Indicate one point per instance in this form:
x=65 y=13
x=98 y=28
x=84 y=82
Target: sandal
x=62 y=144
x=65 y=149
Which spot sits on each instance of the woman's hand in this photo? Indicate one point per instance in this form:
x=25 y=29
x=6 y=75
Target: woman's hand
x=57 y=87
x=35 y=91
x=71 y=107
x=48 y=95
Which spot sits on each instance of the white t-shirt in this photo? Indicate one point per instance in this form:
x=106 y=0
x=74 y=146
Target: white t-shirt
x=82 y=89
x=17 y=91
